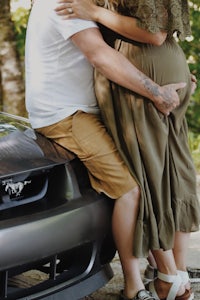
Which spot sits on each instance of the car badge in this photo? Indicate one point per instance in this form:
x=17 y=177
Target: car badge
x=14 y=188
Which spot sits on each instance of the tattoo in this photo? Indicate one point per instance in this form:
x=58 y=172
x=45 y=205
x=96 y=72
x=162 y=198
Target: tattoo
x=165 y=97
x=152 y=88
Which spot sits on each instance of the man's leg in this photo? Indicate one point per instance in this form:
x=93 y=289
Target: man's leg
x=115 y=180
x=124 y=221
x=85 y=135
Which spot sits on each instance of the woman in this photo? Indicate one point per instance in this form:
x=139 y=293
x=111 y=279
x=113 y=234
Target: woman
x=154 y=146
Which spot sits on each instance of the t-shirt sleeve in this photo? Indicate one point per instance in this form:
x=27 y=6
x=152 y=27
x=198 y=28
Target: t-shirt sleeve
x=69 y=27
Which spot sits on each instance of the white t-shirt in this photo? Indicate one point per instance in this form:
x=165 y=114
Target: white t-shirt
x=59 y=79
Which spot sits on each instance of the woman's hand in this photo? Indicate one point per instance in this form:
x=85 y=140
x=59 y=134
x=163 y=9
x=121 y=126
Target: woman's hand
x=194 y=83
x=82 y=9
x=124 y=25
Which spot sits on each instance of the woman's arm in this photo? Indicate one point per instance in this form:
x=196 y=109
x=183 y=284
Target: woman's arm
x=114 y=66
x=126 y=26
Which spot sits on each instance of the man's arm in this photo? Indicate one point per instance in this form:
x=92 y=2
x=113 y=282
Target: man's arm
x=118 y=69
x=124 y=25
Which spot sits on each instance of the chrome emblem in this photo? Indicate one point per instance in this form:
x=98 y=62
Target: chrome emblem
x=14 y=188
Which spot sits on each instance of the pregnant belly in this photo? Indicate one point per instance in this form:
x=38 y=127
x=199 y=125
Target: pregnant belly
x=164 y=64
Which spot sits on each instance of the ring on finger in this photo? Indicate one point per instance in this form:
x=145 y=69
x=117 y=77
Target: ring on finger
x=70 y=10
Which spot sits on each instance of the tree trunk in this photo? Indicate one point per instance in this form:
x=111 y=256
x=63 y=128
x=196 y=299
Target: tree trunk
x=12 y=89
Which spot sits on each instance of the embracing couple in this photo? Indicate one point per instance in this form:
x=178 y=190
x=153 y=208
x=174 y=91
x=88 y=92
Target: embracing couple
x=108 y=81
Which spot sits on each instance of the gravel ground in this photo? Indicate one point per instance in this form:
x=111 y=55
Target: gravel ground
x=111 y=290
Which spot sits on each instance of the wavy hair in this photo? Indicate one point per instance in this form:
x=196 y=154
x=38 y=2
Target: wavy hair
x=109 y=4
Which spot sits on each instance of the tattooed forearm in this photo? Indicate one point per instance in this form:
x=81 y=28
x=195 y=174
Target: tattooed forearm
x=149 y=85
x=165 y=98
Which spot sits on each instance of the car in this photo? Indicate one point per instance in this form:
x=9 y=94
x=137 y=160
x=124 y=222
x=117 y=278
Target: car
x=51 y=220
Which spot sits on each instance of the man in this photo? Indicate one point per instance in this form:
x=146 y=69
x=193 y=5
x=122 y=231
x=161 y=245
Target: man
x=60 y=100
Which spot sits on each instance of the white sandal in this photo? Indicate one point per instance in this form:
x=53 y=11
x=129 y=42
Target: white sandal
x=176 y=281
x=185 y=279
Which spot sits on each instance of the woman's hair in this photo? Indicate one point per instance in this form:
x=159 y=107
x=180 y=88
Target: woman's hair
x=110 y=4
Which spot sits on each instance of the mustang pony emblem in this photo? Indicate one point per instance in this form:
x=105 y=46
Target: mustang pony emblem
x=14 y=187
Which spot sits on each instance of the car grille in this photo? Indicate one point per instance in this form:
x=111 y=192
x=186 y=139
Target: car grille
x=14 y=192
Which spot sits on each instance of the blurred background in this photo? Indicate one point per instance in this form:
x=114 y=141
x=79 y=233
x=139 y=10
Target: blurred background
x=13 y=23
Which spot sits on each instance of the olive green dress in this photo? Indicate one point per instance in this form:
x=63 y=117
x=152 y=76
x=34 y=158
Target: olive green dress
x=155 y=147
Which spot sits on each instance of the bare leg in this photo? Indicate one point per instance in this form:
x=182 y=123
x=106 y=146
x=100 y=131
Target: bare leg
x=165 y=261
x=151 y=260
x=124 y=221
x=180 y=252
x=166 y=264
x=181 y=249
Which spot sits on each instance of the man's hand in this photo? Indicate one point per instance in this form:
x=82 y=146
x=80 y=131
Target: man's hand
x=166 y=97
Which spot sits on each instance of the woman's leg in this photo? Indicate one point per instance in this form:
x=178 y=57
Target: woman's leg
x=151 y=260
x=181 y=249
x=124 y=221
x=166 y=265
x=169 y=264
x=180 y=254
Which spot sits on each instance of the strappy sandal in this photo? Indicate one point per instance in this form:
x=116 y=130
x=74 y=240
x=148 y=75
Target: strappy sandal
x=151 y=274
x=185 y=279
x=176 y=281
x=141 y=295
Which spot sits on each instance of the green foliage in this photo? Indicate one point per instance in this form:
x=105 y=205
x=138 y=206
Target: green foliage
x=20 y=19
x=192 y=51
x=194 y=143
x=191 y=48
x=193 y=114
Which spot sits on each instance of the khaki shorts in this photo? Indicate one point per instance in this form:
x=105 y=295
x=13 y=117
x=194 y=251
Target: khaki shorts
x=85 y=135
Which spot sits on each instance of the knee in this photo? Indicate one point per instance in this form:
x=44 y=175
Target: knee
x=132 y=197
x=136 y=194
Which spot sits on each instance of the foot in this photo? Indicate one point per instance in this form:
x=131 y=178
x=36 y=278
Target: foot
x=168 y=287
x=151 y=274
x=186 y=281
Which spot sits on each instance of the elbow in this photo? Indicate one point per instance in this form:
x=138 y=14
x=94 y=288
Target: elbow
x=158 y=38
x=96 y=59
x=93 y=60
